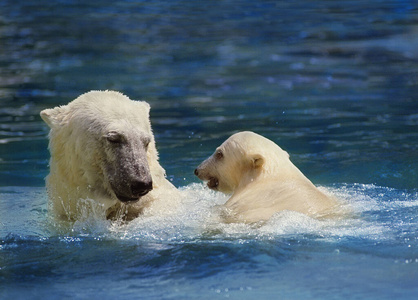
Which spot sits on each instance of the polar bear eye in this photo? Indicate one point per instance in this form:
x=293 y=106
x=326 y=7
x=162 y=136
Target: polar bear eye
x=114 y=137
x=219 y=154
x=146 y=141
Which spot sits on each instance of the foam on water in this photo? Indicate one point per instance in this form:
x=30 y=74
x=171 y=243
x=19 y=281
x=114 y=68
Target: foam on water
x=197 y=218
x=190 y=253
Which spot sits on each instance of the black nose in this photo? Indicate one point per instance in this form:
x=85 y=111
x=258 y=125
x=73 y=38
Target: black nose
x=141 y=188
x=196 y=172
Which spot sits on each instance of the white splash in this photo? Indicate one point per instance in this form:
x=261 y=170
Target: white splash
x=197 y=217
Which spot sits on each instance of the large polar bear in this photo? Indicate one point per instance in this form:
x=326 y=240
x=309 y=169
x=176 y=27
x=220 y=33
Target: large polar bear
x=261 y=179
x=102 y=149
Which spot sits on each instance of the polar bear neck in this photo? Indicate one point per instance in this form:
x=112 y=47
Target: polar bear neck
x=158 y=174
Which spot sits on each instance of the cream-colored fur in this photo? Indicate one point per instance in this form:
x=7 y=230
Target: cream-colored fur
x=99 y=144
x=262 y=180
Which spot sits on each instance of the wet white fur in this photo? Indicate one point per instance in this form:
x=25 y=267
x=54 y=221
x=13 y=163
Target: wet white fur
x=262 y=181
x=78 y=157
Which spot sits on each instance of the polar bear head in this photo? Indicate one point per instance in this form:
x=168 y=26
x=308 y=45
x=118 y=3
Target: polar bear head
x=101 y=144
x=242 y=157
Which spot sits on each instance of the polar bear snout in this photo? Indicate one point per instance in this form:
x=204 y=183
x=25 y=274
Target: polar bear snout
x=196 y=172
x=141 y=188
x=202 y=174
x=129 y=174
x=134 y=190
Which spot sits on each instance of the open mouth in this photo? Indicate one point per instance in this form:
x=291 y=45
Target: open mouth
x=213 y=183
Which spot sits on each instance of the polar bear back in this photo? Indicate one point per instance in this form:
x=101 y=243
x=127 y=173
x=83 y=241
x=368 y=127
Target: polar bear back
x=262 y=199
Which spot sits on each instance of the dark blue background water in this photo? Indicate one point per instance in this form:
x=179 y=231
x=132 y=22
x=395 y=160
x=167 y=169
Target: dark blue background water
x=335 y=83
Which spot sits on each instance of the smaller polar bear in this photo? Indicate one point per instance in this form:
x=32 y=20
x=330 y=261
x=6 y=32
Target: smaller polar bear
x=261 y=179
x=103 y=150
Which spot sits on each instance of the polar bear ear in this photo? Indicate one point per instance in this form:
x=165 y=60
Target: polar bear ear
x=54 y=117
x=144 y=105
x=257 y=161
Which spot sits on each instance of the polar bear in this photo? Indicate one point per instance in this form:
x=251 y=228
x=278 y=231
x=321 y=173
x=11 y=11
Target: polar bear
x=261 y=179
x=103 y=149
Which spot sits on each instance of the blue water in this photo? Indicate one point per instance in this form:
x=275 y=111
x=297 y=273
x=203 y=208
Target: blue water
x=333 y=83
